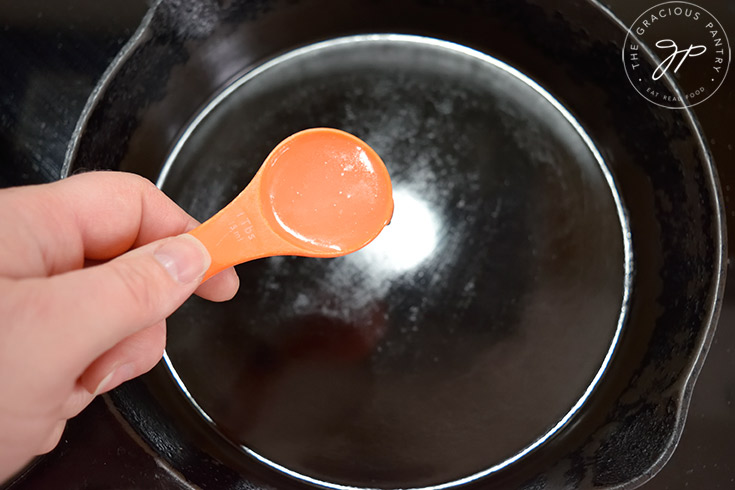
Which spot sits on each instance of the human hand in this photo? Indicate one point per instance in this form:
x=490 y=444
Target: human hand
x=90 y=267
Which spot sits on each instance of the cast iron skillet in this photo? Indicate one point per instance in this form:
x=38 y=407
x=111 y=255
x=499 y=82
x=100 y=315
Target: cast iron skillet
x=549 y=334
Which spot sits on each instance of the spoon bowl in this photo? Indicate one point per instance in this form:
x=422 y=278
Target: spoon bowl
x=321 y=192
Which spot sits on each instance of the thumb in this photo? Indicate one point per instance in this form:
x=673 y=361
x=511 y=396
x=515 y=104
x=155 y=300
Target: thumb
x=90 y=310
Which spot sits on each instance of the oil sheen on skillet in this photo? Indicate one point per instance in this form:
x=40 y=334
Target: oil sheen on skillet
x=470 y=331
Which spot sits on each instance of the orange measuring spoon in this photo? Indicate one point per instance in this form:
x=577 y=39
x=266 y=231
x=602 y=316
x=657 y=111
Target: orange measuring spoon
x=321 y=192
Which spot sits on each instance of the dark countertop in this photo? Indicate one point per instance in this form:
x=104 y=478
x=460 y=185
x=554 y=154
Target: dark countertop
x=56 y=51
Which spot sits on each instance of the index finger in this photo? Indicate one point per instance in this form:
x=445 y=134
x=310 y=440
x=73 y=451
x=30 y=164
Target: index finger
x=97 y=216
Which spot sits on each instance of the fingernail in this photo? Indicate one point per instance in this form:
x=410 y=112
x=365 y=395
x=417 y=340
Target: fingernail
x=117 y=377
x=184 y=258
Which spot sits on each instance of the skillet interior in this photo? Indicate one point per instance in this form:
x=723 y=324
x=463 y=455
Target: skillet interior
x=468 y=331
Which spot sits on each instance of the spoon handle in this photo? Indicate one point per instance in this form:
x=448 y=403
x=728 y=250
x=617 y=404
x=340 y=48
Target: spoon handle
x=238 y=233
x=225 y=235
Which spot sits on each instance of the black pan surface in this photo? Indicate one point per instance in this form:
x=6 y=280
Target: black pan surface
x=472 y=328
x=531 y=318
